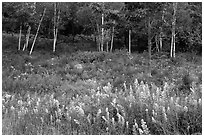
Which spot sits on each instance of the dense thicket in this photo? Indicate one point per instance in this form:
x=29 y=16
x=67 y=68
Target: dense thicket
x=118 y=19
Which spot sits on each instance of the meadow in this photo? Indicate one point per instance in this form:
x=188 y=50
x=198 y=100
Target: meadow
x=77 y=92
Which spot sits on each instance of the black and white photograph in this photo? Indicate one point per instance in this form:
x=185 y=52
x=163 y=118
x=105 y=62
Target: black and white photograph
x=101 y=68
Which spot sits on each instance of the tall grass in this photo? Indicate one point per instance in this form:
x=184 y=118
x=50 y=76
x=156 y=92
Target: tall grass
x=137 y=109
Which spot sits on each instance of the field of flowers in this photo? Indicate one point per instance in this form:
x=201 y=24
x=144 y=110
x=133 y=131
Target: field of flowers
x=99 y=93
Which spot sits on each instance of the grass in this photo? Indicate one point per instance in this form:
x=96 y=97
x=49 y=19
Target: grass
x=94 y=93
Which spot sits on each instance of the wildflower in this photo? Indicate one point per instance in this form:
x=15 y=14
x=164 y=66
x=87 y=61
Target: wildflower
x=77 y=121
x=154 y=113
x=7 y=96
x=98 y=113
x=185 y=108
x=146 y=110
x=171 y=100
x=89 y=118
x=194 y=102
x=113 y=102
x=136 y=82
x=165 y=116
x=186 y=100
x=113 y=122
x=154 y=97
x=131 y=90
x=134 y=129
x=168 y=110
x=38 y=100
x=107 y=114
x=20 y=102
x=29 y=102
x=156 y=106
x=140 y=131
x=41 y=119
x=105 y=119
x=144 y=127
x=153 y=120
x=12 y=108
x=124 y=84
x=46 y=110
x=127 y=124
x=80 y=111
x=200 y=101
x=58 y=121
x=108 y=88
x=35 y=110
x=177 y=100
x=107 y=129
x=121 y=109
x=121 y=119
x=56 y=102
x=136 y=125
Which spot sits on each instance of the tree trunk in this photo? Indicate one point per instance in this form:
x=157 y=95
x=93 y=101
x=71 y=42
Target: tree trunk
x=19 y=40
x=27 y=38
x=102 y=32
x=149 y=44
x=156 y=42
x=107 y=46
x=112 y=38
x=37 y=31
x=56 y=24
x=173 y=41
x=98 y=37
x=160 y=40
x=161 y=31
x=129 y=41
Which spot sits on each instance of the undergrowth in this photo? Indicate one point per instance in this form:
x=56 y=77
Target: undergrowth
x=92 y=93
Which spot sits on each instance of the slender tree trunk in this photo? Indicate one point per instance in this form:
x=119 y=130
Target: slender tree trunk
x=156 y=41
x=112 y=38
x=161 y=31
x=173 y=42
x=107 y=46
x=37 y=31
x=98 y=37
x=19 y=40
x=56 y=24
x=129 y=41
x=149 y=44
x=27 y=38
x=160 y=39
x=102 y=32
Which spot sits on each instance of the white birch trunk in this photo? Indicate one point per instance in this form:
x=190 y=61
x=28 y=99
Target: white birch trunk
x=112 y=38
x=19 y=40
x=27 y=38
x=173 y=40
x=129 y=41
x=102 y=32
x=56 y=24
x=156 y=41
x=37 y=31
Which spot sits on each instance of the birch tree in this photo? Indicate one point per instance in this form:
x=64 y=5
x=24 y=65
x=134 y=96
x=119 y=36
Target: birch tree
x=173 y=42
x=102 y=30
x=56 y=24
x=27 y=38
x=19 y=39
x=37 y=31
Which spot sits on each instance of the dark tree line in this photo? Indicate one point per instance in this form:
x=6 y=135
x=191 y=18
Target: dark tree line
x=155 y=26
